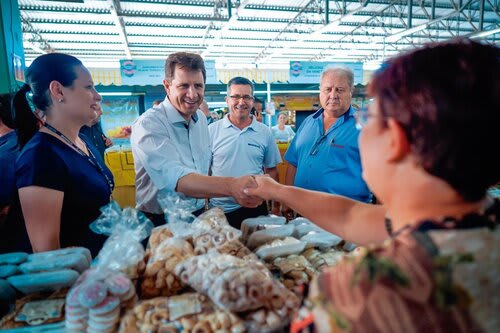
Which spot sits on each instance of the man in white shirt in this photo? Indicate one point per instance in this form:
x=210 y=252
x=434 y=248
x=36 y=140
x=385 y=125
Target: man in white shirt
x=241 y=145
x=171 y=144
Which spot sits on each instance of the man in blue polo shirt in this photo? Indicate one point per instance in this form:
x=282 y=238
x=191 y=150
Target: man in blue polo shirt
x=324 y=154
x=241 y=145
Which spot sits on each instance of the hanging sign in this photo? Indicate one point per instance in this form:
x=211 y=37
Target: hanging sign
x=152 y=72
x=310 y=72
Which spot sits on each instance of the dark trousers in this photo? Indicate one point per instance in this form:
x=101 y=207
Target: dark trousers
x=236 y=217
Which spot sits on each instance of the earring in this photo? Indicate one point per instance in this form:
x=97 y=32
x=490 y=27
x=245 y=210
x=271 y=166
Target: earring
x=61 y=100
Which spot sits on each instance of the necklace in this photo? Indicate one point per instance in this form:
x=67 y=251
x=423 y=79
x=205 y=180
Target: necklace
x=486 y=217
x=90 y=157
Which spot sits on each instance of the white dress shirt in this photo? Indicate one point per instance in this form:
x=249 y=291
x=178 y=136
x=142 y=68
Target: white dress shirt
x=167 y=148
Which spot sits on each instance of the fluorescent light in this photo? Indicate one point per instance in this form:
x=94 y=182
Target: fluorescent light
x=119 y=93
x=281 y=92
x=397 y=36
x=485 y=33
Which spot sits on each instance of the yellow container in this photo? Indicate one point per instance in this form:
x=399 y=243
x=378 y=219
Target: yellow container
x=121 y=164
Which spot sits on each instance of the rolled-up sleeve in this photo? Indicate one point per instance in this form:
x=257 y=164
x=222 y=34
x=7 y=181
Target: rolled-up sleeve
x=159 y=155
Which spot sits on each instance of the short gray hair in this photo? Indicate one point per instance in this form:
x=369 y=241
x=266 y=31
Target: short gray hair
x=344 y=71
x=238 y=80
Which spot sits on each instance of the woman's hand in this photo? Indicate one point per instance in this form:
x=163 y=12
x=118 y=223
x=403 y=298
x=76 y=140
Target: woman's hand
x=267 y=188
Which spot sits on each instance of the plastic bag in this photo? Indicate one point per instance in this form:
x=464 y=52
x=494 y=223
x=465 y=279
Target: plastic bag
x=237 y=285
x=267 y=235
x=123 y=250
x=320 y=239
x=102 y=291
x=159 y=278
x=280 y=248
x=249 y=226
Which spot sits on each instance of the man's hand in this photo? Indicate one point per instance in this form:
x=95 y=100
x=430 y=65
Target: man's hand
x=237 y=188
x=265 y=188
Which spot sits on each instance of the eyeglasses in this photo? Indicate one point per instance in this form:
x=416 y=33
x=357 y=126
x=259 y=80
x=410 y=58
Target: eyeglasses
x=362 y=116
x=246 y=98
x=315 y=148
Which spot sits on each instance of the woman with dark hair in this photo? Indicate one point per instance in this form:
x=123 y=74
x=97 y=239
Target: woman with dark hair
x=429 y=149
x=61 y=179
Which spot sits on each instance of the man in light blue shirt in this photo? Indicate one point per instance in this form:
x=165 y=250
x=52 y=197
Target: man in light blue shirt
x=241 y=145
x=171 y=146
x=324 y=154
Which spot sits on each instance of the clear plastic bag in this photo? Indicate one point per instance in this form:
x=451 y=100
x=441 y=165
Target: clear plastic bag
x=159 y=278
x=237 y=285
x=107 y=286
x=123 y=250
x=280 y=248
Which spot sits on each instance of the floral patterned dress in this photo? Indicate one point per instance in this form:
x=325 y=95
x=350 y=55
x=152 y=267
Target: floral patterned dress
x=433 y=277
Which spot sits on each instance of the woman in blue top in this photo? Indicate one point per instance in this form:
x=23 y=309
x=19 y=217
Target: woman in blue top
x=61 y=178
x=282 y=132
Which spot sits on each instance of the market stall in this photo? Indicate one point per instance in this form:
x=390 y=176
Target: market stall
x=195 y=275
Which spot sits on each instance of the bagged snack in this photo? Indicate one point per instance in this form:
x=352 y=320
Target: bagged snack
x=212 y=218
x=237 y=285
x=280 y=248
x=249 y=226
x=190 y=312
x=159 y=278
x=268 y=234
x=320 y=239
x=295 y=270
x=95 y=302
x=123 y=250
x=320 y=259
x=225 y=239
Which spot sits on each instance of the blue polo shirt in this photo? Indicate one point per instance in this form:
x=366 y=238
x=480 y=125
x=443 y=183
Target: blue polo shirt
x=238 y=152
x=330 y=162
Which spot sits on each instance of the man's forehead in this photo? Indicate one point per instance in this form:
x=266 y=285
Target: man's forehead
x=244 y=87
x=333 y=79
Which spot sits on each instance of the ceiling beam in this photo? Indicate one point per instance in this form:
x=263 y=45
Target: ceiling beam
x=220 y=34
x=33 y=38
x=115 y=9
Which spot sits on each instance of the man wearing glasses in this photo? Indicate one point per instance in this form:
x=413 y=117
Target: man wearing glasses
x=324 y=154
x=241 y=145
x=171 y=145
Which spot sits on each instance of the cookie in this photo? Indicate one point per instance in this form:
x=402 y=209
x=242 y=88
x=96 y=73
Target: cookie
x=107 y=305
x=92 y=293
x=75 y=313
x=119 y=284
x=72 y=298
x=129 y=295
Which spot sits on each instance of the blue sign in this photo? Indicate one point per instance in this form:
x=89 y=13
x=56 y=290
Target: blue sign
x=310 y=72
x=152 y=72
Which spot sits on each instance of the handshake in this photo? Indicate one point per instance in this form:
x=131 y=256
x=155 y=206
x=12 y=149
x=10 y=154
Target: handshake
x=251 y=191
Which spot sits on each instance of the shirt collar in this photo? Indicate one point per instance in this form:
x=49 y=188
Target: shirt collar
x=227 y=123
x=174 y=115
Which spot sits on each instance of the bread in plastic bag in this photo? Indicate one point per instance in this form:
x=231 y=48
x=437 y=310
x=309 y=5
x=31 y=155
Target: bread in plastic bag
x=320 y=239
x=95 y=301
x=190 y=312
x=280 y=248
x=159 y=278
x=225 y=239
x=250 y=225
x=270 y=233
x=237 y=285
x=295 y=270
x=323 y=258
